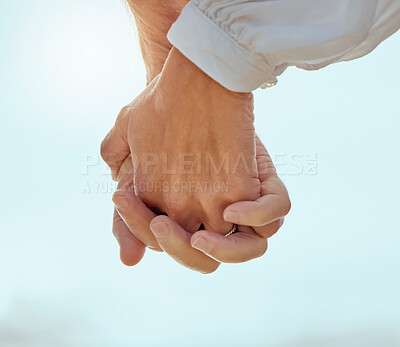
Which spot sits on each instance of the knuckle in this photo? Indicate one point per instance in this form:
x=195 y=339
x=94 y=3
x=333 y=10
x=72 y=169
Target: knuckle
x=124 y=116
x=243 y=191
x=123 y=112
x=103 y=149
x=174 y=203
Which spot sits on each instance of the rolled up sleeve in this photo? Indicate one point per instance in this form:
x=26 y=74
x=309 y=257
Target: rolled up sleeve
x=246 y=44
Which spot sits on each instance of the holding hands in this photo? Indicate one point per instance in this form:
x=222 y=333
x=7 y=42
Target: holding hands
x=189 y=164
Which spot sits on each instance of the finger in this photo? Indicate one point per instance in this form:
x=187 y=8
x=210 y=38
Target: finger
x=262 y=211
x=136 y=216
x=185 y=221
x=131 y=249
x=115 y=148
x=213 y=218
x=176 y=242
x=273 y=204
x=217 y=225
x=266 y=231
x=235 y=248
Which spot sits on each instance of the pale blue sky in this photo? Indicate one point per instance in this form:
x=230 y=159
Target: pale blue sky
x=329 y=278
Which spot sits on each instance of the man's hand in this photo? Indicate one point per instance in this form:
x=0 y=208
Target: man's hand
x=193 y=146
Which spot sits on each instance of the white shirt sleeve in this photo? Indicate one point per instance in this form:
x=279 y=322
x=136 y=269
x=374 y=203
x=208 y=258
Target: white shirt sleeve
x=245 y=44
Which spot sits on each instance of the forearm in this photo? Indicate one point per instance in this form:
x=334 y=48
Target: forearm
x=153 y=21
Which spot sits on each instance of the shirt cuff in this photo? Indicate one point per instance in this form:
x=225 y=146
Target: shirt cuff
x=200 y=40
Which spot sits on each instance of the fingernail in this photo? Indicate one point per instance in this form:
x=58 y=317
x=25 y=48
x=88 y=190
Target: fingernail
x=121 y=201
x=200 y=244
x=231 y=216
x=160 y=229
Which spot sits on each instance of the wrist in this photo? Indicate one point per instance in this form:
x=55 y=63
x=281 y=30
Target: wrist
x=185 y=77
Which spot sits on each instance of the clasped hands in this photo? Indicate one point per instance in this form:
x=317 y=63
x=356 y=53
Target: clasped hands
x=189 y=165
